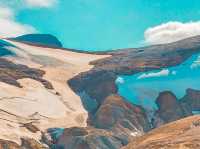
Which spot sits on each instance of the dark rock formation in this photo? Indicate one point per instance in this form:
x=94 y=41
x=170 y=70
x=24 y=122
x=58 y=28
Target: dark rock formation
x=130 y=61
x=116 y=112
x=96 y=85
x=172 y=109
x=10 y=73
x=45 y=40
x=112 y=126
x=169 y=108
x=192 y=99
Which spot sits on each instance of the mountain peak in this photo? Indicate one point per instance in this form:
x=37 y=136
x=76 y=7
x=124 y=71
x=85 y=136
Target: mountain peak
x=44 y=40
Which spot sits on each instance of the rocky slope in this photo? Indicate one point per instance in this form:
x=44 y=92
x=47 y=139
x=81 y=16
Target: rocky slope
x=182 y=134
x=63 y=88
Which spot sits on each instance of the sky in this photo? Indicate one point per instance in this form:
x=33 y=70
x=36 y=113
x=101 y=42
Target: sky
x=102 y=24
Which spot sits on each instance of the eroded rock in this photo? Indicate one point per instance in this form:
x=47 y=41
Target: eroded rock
x=192 y=99
x=169 y=109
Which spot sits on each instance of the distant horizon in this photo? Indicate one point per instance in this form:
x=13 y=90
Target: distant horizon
x=107 y=50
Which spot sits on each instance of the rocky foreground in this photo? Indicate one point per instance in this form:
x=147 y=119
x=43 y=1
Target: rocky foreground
x=52 y=88
x=182 y=134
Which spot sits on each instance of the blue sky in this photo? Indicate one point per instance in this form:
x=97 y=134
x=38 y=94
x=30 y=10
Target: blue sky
x=107 y=24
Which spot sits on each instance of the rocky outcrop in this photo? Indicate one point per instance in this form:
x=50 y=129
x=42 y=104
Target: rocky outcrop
x=44 y=40
x=88 y=138
x=112 y=126
x=169 y=109
x=97 y=85
x=130 y=61
x=116 y=113
x=192 y=99
x=182 y=134
x=10 y=73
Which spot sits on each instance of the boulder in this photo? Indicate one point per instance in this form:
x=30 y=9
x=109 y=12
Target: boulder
x=192 y=99
x=169 y=108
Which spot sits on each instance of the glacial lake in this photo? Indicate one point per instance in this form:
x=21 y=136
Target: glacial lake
x=143 y=88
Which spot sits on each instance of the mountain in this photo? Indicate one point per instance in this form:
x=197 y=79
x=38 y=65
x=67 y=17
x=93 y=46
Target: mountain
x=45 y=40
x=52 y=97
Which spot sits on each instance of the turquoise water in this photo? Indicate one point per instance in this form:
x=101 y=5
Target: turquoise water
x=143 y=88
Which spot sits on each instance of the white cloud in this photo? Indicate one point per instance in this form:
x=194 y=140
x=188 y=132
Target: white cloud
x=40 y=3
x=164 y=72
x=9 y=27
x=6 y=13
x=171 y=32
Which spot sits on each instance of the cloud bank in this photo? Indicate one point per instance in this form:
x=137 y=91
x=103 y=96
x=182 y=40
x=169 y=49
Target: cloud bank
x=9 y=27
x=171 y=32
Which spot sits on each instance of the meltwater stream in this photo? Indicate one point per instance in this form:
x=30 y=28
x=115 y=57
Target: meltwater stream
x=143 y=88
